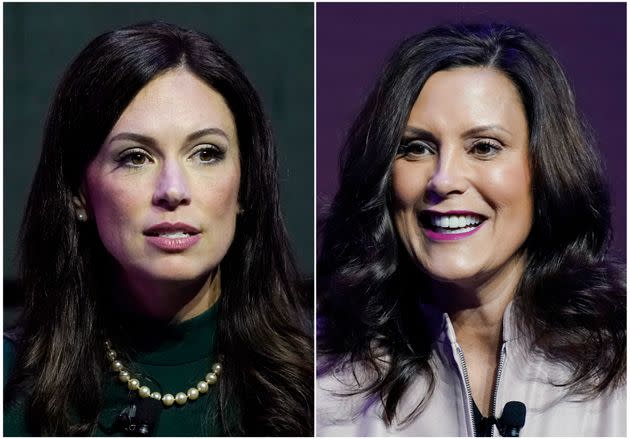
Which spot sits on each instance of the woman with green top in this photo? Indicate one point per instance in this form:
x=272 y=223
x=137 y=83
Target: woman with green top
x=160 y=293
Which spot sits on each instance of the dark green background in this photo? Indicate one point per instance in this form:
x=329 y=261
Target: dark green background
x=272 y=42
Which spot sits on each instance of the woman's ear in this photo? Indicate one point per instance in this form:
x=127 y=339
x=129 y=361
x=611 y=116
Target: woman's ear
x=79 y=206
x=239 y=205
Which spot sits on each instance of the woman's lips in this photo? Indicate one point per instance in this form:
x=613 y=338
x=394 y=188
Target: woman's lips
x=451 y=225
x=166 y=227
x=436 y=235
x=172 y=237
x=173 y=244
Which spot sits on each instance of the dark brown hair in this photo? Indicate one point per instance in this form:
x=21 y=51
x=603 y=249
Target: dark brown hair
x=571 y=299
x=262 y=326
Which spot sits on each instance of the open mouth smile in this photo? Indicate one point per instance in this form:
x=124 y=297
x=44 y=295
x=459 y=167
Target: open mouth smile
x=450 y=225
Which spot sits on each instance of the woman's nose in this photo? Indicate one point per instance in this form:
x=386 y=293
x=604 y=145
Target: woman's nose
x=172 y=188
x=448 y=176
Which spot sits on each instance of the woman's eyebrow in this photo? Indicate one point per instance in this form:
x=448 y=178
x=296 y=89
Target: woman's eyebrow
x=421 y=134
x=140 y=138
x=206 y=132
x=485 y=128
x=150 y=141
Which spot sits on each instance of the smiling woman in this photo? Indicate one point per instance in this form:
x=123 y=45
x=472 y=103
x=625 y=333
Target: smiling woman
x=161 y=293
x=464 y=284
x=464 y=153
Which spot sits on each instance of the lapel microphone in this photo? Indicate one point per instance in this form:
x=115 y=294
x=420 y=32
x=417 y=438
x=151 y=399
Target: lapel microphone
x=139 y=418
x=512 y=419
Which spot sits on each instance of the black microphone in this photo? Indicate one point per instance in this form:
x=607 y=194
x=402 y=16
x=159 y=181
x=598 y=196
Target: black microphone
x=512 y=419
x=139 y=418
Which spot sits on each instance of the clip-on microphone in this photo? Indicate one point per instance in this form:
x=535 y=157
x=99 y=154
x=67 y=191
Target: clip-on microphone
x=139 y=418
x=512 y=419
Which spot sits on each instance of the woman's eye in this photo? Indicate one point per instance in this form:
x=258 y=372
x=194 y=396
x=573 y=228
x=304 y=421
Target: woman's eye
x=485 y=149
x=208 y=154
x=415 y=148
x=134 y=159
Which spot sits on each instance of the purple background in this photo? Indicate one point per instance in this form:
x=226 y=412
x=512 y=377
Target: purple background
x=354 y=41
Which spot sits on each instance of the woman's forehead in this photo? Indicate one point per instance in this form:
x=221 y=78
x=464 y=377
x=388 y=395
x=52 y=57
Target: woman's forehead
x=175 y=104
x=466 y=97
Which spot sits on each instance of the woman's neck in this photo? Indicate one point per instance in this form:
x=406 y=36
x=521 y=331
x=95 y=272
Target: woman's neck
x=476 y=307
x=476 y=311
x=170 y=301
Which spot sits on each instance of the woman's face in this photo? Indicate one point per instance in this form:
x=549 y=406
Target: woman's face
x=462 y=200
x=163 y=189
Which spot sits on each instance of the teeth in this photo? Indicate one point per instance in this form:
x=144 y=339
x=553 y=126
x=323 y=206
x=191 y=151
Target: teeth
x=454 y=221
x=174 y=235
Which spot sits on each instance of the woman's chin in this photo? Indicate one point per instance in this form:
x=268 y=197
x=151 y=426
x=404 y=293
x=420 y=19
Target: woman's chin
x=455 y=274
x=174 y=274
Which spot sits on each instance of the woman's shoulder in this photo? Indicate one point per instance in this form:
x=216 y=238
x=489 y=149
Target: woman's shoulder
x=342 y=405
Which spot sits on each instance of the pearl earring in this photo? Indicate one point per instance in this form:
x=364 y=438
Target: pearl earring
x=81 y=216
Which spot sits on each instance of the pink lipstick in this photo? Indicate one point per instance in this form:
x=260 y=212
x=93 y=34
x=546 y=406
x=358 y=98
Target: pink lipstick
x=173 y=244
x=437 y=236
x=172 y=237
x=451 y=225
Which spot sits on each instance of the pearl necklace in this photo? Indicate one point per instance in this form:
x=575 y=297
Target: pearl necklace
x=168 y=399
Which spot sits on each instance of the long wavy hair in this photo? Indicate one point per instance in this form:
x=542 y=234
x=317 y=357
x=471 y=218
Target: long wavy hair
x=571 y=299
x=263 y=322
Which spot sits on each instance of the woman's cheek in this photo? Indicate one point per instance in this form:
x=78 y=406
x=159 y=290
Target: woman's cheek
x=407 y=185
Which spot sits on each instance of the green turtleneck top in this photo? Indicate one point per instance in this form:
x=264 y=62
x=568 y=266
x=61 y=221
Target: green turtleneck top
x=169 y=359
